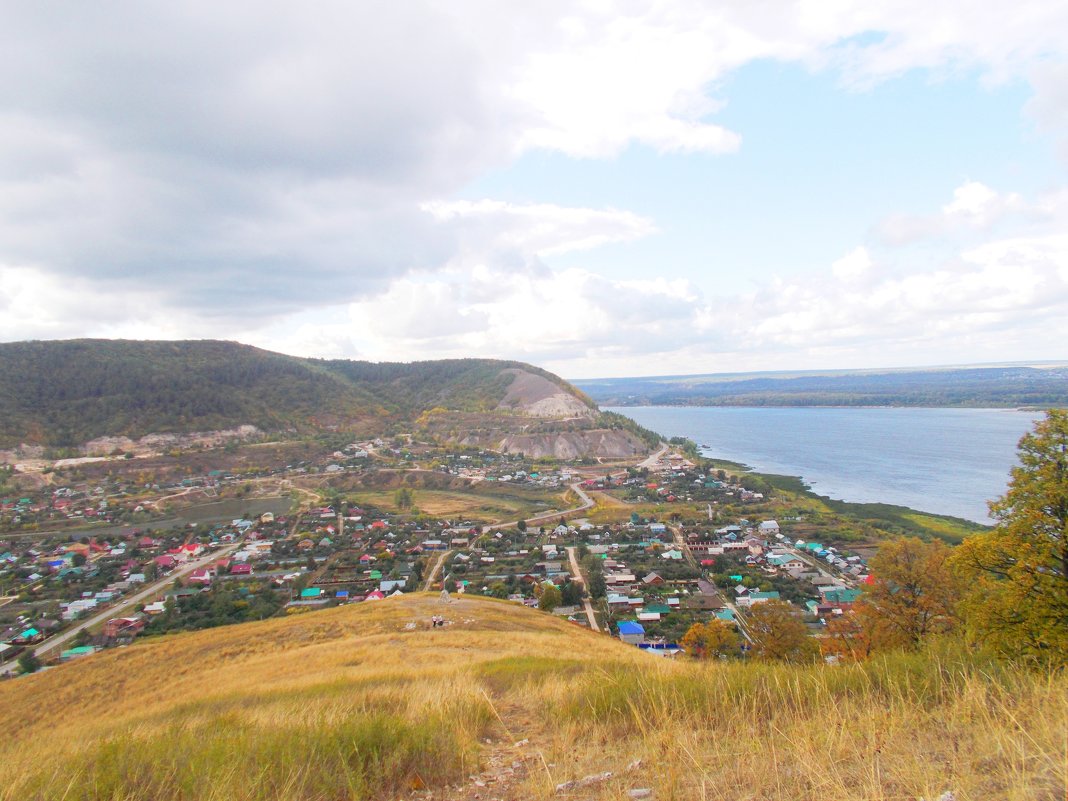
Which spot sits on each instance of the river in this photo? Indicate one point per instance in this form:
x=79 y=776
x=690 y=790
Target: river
x=944 y=461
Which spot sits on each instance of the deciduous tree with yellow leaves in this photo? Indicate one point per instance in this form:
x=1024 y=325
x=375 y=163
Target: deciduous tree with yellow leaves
x=914 y=592
x=1017 y=574
x=710 y=640
x=779 y=634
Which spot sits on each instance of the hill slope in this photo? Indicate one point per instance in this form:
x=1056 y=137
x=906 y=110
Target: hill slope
x=368 y=701
x=68 y=392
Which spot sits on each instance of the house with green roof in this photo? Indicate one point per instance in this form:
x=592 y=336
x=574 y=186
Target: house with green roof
x=754 y=597
x=786 y=561
x=839 y=595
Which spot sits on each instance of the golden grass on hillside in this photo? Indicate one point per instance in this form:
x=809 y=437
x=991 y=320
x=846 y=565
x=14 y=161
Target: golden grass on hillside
x=368 y=702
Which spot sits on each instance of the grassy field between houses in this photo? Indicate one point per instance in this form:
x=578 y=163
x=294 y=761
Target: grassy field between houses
x=369 y=702
x=490 y=505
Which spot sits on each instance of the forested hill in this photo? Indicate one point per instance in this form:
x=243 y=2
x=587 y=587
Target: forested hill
x=67 y=392
x=1008 y=386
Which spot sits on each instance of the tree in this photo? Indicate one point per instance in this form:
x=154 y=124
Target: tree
x=710 y=640
x=550 y=598
x=403 y=498
x=914 y=592
x=28 y=663
x=571 y=593
x=596 y=586
x=858 y=634
x=779 y=634
x=1017 y=574
x=521 y=525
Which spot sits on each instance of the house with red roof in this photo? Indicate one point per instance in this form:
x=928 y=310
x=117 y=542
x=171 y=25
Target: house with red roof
x=123 y=627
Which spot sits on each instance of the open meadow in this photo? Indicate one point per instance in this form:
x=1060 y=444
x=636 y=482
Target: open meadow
x=369 y=701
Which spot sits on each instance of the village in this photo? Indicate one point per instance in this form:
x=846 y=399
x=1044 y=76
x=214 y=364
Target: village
x=645 y=576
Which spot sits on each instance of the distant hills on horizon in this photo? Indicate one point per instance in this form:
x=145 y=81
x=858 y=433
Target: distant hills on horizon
x=1031 y=384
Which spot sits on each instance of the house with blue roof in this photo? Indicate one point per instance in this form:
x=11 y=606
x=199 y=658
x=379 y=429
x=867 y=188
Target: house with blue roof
x=631 y=632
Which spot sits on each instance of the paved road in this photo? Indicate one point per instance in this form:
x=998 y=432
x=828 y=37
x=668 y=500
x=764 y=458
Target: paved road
x=116 y=610
x=576 y=575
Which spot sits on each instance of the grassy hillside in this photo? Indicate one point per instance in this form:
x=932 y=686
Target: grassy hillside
x=67 y=392
x=369 y=702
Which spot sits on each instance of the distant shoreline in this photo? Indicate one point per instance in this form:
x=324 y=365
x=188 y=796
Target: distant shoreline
x=939 y=461
x=1007 y=387
x=799 y=485
x=990 y=408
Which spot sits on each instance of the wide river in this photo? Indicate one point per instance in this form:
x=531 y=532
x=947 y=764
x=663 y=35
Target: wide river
x=945 y=461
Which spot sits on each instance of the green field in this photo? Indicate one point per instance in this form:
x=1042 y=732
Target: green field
x=486 y=502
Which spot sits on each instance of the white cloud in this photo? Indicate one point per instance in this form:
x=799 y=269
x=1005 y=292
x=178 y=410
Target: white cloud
x=974 y=209
x=286 y=172
x=853 y=265
x=538 y=228
x=1006 y=299
x=978 y=205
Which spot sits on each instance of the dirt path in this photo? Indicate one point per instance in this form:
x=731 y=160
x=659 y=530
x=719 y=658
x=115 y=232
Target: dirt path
x=680 y=542
x=434 y=570
x=653 y=458
x=576 y=575
x=587 y=503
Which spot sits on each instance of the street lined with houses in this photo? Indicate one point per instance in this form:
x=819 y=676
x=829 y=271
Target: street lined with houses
x=645 y=576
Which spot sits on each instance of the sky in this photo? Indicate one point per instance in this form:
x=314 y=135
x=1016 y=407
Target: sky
x=598 y=188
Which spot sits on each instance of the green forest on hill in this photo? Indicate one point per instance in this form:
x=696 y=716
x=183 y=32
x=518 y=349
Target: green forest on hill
x=65 y=393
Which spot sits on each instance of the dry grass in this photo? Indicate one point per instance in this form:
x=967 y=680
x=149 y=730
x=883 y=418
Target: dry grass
x=352 y=703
